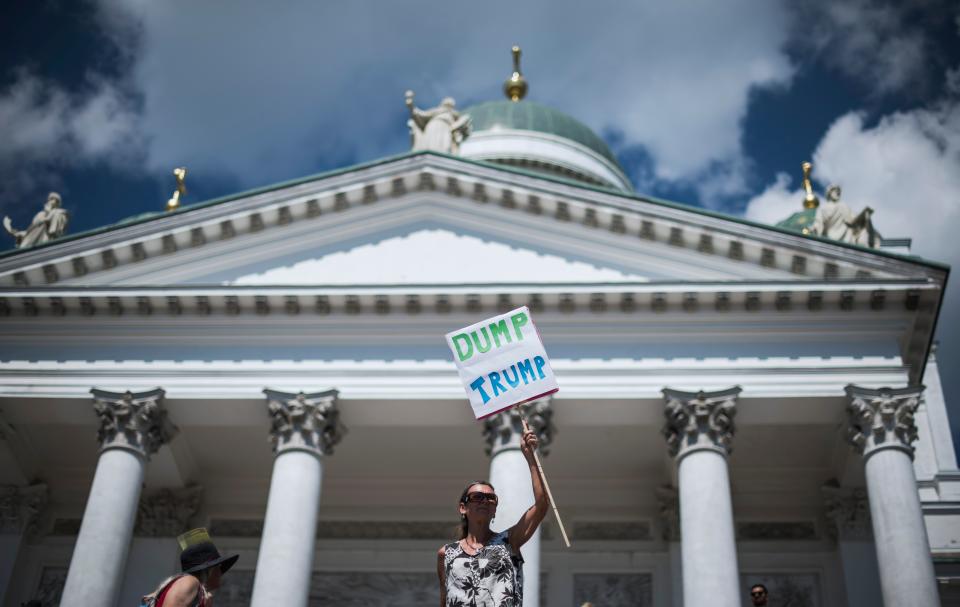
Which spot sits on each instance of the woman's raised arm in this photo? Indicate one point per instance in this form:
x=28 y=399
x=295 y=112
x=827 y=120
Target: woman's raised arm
x=531 y=519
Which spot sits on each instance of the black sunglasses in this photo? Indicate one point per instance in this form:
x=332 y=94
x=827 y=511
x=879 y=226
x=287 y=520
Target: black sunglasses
x=758 y=593
x=478 y=497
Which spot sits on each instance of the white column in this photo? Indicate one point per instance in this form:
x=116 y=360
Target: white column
x=132 y=427
x=510 y=475
x=19 y=510
x=154 y=553
x=304 y=428
x=699 y=430
x=882 y=428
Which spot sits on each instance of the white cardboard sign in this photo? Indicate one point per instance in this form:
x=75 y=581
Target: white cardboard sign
x=502 y=362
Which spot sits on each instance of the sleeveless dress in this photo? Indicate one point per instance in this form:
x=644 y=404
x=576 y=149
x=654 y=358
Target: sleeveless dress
x=493 y=577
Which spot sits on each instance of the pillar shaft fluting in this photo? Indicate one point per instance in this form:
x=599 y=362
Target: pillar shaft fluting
x=699 y=431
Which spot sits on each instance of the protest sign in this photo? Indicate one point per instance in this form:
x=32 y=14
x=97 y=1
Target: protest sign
x=502 y=362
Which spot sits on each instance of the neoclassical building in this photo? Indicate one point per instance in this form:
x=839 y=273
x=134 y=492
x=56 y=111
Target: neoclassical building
x=738 y=402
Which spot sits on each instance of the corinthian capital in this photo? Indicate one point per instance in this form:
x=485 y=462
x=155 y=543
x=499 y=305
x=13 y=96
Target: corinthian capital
x=504 y=430
x=301 y=421
x=882 y=419
x=20 y=507
x=699 y=420
x=133 y=421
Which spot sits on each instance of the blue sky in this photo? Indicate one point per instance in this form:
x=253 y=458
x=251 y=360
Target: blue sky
x=709 y=104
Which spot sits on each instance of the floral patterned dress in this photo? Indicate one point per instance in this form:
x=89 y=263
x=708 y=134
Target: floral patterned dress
x=493 y=577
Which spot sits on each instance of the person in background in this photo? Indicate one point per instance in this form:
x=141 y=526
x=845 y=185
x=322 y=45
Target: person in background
x=758 y=594
x=201 y=568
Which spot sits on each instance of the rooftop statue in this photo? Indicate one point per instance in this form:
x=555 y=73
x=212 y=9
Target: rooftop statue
x=835 y=220
x=832 y=219
x=49 y=223
x=439 y=129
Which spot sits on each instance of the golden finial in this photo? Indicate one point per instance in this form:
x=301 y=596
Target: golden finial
x=810 y=200
x=516 y=86
x=174 y=203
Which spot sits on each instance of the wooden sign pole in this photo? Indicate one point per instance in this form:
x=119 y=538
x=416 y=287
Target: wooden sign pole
x=546 y=485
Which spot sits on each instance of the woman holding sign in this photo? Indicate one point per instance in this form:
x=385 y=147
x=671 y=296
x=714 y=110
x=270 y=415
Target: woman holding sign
x=483 y=568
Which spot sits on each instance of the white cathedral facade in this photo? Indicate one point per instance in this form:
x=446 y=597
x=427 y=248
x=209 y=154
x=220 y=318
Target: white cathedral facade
x=738 y=403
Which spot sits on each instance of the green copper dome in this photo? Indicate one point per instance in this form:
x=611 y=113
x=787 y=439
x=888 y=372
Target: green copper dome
x=531 y=116
x=801 y=221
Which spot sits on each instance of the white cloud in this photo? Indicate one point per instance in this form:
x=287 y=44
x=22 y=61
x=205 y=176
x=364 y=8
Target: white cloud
x=263 y=93
x=33 y=119
x=104 y=124
x=47 y=128
x=776 y=202
x=906 y=167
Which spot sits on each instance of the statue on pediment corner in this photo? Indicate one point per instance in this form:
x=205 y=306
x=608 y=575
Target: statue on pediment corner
x=835 y=220
x=49 y=223
x=440 y=129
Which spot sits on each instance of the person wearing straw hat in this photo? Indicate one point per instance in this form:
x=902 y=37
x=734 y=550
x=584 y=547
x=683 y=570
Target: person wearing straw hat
x=201 y=567
x=483 y=568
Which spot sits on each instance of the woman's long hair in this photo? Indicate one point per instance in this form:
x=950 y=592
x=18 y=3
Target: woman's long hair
x=462 y=529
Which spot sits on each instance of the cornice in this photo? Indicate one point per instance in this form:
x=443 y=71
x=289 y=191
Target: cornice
x=791 y=306
x=482 y=183
x=412 y=299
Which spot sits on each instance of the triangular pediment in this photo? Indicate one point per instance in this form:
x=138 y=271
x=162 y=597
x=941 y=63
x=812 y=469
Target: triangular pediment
x=429 y=219
x=430 y=238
